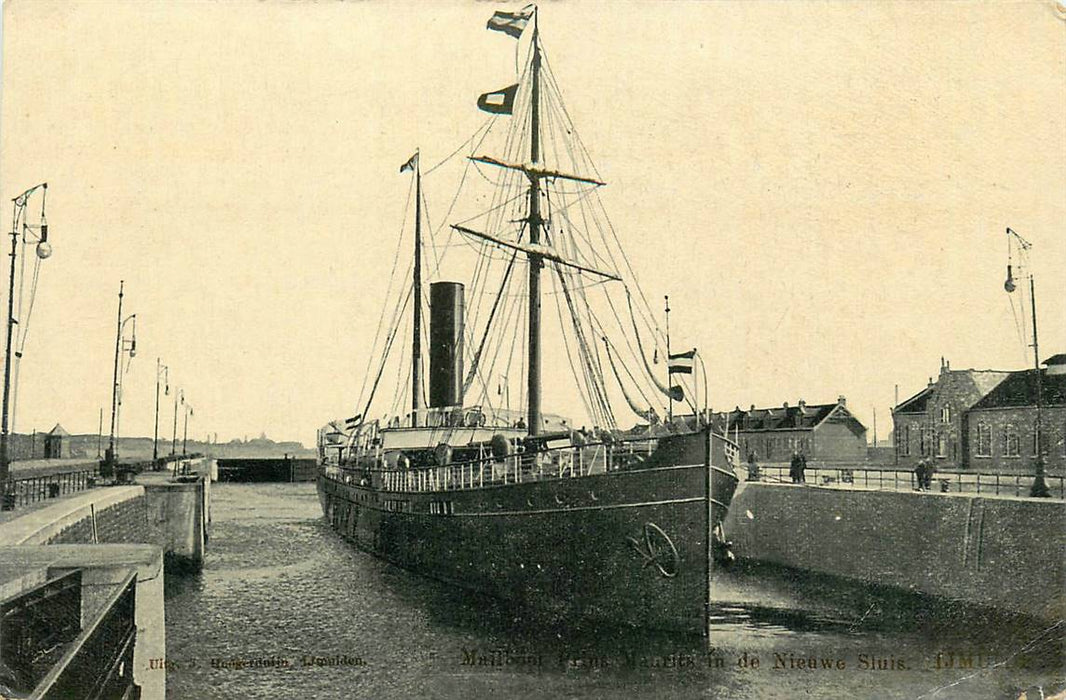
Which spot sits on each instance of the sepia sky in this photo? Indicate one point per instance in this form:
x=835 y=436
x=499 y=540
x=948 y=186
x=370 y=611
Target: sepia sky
x=821 y=187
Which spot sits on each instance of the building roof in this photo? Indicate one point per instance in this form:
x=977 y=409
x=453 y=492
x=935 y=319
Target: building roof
x=916 y=403
x=986 y=379
x=1019 y=389
x=784 y=417
x=970 y=384
x=1059 y=359
x=59 y=430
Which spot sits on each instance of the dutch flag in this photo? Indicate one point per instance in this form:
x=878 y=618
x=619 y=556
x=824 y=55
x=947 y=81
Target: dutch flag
x=682 y=363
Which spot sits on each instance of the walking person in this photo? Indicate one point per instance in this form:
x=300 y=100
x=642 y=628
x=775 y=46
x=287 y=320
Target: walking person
x=803 y=468
x=794 y=468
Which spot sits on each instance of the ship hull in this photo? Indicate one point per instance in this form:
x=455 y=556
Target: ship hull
x=629 y=546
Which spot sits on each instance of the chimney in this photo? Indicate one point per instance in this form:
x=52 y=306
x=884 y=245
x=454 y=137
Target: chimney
x=445 y=344
x=841 y=401
x=785 y=405
x=802 y=404
x=930 y=385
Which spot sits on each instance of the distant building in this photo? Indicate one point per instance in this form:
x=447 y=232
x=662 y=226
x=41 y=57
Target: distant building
x=57 y=443
x=933 y=422
x=822 y=432
x=1002 y=435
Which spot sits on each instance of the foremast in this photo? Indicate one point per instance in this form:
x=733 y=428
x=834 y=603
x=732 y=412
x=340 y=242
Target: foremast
x=416 y=342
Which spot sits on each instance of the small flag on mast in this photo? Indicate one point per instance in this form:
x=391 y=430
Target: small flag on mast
x=511 y=23
x=410 y=164
x=499 y=102
x=682 y=363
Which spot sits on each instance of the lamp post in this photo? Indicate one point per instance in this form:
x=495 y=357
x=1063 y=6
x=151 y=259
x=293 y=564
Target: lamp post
x=44 y=250
x=174 y=442
x=164 y=371
x=185 y=434
x=122 y=346
x=1039 y=488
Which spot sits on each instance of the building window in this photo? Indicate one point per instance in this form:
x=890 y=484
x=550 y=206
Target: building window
x=945 y=414
x=942 y=446
x=1011 y=448
x=926 y=442
x=905 y=441
x=984 y=440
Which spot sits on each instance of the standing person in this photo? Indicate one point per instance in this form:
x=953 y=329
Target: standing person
x=794 y=468
x=919 y=474
x=753 y=466
x=930 y=469
x=803 y=468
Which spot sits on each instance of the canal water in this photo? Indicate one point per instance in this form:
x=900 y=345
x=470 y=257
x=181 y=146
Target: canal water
x=284 y=608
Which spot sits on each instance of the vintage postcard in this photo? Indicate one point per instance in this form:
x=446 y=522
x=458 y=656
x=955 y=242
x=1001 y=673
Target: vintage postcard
x=567 y=349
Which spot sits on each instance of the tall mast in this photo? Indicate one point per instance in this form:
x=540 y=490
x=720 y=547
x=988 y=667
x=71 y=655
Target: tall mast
x=416 y=343
x=535 y=260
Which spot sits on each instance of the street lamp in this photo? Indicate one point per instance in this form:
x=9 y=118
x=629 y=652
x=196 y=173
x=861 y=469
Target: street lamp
x=161 y=370
x=28 y=233
x=1039 y=488
x=122 y=347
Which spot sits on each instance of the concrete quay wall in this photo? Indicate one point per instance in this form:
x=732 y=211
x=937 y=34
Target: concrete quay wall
x=107 y=532
x=999 y=552
x=103 y=568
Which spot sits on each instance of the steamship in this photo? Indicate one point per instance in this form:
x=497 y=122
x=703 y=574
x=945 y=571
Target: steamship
x=471 y=482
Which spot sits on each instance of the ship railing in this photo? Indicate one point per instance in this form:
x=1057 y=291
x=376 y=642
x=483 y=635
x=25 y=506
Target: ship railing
x=552 y=464
x=984 y=483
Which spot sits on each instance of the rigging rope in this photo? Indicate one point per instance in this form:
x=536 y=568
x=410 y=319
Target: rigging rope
x=649 y=415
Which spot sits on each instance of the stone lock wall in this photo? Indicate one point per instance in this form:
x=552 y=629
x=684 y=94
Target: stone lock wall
x=121 y=523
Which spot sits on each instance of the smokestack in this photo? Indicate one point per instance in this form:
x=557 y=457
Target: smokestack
x=445 y=344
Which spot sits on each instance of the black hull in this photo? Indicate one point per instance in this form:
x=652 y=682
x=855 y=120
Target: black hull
x=631 y=547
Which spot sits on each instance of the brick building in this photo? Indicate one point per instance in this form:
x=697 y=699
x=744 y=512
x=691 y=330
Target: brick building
x=934 y=423
x=1003 y=432
x=823 y=432
x=984 y=420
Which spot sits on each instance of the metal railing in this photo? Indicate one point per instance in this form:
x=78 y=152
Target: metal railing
x=905 y=480
x=550 y=464
x=99 y=662
x=36 y=625
x=22 y=491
